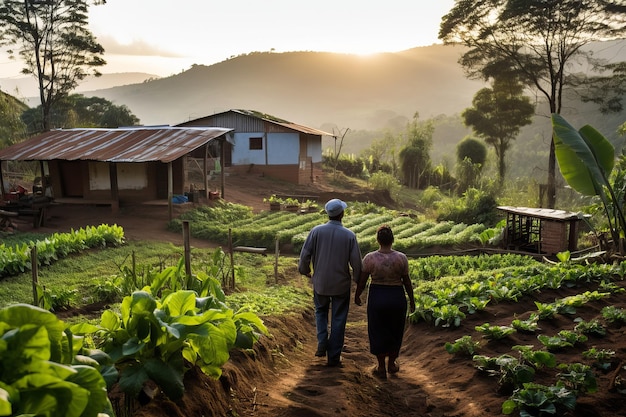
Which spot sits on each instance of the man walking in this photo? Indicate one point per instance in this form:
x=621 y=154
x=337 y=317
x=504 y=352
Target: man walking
x=332 y=249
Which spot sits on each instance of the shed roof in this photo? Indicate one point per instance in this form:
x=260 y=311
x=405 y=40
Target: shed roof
x=270 y=119
x=132 y=144
x=543 y=213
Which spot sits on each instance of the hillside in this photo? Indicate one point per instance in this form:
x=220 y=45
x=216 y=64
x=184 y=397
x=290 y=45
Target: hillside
x=311 y=88
x=25 y=88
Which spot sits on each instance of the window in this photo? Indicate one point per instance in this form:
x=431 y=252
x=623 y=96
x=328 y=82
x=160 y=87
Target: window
x=256 y=143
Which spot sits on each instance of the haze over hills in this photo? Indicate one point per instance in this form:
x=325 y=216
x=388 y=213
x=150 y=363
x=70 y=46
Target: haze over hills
x=25 y=88
x=311 y=88
x=334 y=92
x=317 y=89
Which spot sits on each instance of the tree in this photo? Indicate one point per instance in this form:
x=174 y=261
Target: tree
x=471 y=155
x=12 y=129
x=538 y=40
x=472 y=149
x=77 y=110
x=415 y=157
x=54 y=43
x=497 y=114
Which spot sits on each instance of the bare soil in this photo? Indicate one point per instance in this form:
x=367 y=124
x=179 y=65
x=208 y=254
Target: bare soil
x=281 y=377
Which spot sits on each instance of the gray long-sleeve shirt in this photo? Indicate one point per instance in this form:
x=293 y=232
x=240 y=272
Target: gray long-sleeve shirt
x=332 y=249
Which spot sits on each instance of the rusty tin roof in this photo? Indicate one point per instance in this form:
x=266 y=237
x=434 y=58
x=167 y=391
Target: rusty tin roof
x=543 y=213
x=132 y=144
x=268 y=118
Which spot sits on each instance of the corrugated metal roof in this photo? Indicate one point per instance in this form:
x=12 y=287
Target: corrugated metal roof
x=543 y=213
x=270 y=119
x=133 y=144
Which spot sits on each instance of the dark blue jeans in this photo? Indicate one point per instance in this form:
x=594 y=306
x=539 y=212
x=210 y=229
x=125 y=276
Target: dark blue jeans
x=338 y=306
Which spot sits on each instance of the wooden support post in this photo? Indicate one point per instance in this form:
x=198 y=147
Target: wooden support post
x=35 y=274
x=1 y=182
x=206 y=171
x=187 y=248
x=222 y=166
x=170 y=190
x=115 y=193
x=276 y=261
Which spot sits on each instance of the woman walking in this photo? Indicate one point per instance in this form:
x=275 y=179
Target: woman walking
x=386 y=301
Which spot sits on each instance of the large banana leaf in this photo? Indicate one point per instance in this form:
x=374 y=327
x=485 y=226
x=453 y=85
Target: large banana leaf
x=585 y=156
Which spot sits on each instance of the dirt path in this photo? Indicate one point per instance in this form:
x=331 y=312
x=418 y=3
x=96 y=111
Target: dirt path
x=304 y=386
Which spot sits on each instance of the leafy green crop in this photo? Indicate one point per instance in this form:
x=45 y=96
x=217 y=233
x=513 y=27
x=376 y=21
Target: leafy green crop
x=159 y=339
x=494 y=332
x=39 y=372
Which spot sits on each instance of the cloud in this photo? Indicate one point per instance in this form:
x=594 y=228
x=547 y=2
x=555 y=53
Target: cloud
x=137 y=47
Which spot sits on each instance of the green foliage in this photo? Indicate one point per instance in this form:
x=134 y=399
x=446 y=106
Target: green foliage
x=68 y=55
x=40 y=373
x=533 y=400
x=593 y=327
x=507 y=368
x=586 y=159
x=16 y=259
x=530 y=325
x=474 y=206
x=159 y=338
x=77 y=110
x=464 y=345
x=498 y=113
x=614 y=315
x=577 y=377
x=494 y=332
x=383 y=181
x=536 y=358
x=563 y=339
x=472 y=149
x=602 y=357
x=262 y=230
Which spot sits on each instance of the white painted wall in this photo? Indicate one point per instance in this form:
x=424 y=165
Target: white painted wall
x=130 y=176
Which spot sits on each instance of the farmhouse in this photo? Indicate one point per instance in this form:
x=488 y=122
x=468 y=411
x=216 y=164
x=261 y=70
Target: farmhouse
x=113 y=166
x=267 y=145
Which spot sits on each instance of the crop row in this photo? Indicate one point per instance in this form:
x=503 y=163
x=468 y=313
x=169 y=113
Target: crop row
x=262 y=230
x=17 y=259
x=450 y=288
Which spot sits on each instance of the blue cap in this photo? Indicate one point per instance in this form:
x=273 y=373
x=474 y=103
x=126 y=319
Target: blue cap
x=334 y=207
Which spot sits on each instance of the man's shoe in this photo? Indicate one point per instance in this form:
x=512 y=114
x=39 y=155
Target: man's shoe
x=320 y=352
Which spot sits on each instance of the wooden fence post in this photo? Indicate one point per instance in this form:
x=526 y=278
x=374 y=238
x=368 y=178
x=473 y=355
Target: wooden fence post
x=277 y=252
x=187 y=248
x=232 y=259
x=35 y=274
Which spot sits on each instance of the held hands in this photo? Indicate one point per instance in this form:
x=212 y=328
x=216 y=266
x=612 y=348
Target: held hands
x=357 y=300
x=412 y=306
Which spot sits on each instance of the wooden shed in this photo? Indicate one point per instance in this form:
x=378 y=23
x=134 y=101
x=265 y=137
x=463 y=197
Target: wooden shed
x=540 y=230
x=113 y=166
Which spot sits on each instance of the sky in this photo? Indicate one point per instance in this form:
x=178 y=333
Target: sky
x=166 y=37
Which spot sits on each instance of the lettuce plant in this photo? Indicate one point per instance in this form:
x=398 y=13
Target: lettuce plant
x=494 y=332
x=40 y=373
x=159 y=339
x=539 y=400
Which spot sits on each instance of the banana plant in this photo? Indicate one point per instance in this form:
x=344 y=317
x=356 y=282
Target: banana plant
x=586 y=159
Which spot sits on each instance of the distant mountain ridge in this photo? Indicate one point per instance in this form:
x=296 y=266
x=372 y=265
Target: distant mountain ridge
x=318 y=89
x=310 y=88
x=25 y=88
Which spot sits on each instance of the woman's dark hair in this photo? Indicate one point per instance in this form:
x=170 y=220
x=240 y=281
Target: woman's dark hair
x=384 y=235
